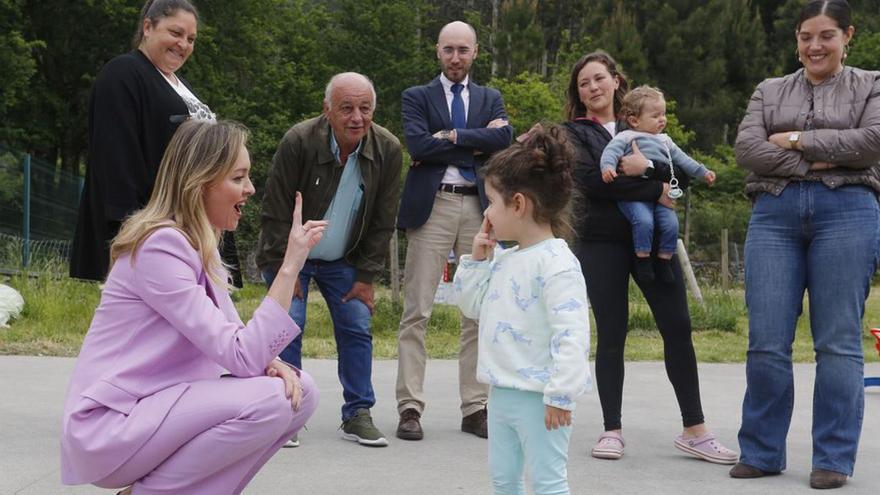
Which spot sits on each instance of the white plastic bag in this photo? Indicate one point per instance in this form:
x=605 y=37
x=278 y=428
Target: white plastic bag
x=11 y=304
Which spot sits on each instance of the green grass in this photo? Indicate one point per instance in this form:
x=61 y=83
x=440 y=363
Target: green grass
x=56 y=316
x=58 y=311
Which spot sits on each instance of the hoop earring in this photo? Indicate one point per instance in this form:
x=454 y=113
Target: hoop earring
x=845 y=51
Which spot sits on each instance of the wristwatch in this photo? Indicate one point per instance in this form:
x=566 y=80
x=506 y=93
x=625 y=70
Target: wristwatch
x=793 y=139
x=445 y=134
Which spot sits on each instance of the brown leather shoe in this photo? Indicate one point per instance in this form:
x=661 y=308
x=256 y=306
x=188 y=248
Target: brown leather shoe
x=475 y=423
x=409 y=427
x=744 y=471
x=823 y=479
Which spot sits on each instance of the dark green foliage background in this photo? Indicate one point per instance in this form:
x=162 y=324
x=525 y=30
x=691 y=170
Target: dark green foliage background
x=265 y=63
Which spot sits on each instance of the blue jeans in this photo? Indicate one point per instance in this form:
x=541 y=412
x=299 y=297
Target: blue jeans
x=644 y=217
x=825 y=241
x=351 y=328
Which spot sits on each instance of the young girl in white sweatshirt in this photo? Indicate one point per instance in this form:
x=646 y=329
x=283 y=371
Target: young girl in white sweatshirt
x=531 y=301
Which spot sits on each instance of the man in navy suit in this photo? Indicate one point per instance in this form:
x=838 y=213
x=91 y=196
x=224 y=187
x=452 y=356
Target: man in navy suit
x=451 y=126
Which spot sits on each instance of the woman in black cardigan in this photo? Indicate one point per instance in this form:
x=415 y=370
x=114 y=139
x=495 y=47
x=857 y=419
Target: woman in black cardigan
x=605 y=251
x=136 y=104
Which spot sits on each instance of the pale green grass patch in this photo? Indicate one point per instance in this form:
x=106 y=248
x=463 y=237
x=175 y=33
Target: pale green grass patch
x=58 y=312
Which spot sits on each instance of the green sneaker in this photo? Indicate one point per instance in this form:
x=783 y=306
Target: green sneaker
x=359 y=428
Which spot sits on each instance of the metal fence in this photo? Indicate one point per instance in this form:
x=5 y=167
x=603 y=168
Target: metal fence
x=38 y=209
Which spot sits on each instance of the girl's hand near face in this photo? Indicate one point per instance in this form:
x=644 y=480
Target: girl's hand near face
x=484 y=242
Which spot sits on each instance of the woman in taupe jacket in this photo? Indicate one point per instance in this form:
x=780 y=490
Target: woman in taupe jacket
x=811 y=141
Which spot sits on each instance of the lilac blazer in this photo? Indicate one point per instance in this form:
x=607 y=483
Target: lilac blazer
x=161 y=324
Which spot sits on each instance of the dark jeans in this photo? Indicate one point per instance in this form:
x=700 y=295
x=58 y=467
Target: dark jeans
x=607 y=267
x=351 y=328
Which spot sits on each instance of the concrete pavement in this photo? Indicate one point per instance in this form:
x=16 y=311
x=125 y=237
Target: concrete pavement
x=448 y=461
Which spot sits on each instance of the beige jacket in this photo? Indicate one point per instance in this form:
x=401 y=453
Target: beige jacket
x=846 y=131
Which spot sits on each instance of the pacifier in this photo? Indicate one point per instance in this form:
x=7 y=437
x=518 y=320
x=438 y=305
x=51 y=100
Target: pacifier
x=675 y=192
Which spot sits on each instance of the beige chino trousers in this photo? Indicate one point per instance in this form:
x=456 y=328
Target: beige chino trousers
x=455 y=220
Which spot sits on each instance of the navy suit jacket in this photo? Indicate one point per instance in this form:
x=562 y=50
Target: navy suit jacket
x=425 y=112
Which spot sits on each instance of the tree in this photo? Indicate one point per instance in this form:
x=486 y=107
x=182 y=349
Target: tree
x=18 y=62
x=528 y=100
x=709 y=63
x=865 y=51
x=52 y=116
x=621 y=38
x=520 y=42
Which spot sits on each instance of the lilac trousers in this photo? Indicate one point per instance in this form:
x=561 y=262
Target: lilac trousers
x=216 y=437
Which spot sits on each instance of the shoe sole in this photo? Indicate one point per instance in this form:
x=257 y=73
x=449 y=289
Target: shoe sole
x=826 y=486
x=606 y=454
x=752 y=473
x=290 y=444
x=410 y=436
x=474 y=433
x=704 y=456
x=379 y=442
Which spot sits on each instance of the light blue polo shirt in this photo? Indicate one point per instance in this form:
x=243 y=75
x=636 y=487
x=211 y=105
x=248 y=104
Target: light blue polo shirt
x=344 y=208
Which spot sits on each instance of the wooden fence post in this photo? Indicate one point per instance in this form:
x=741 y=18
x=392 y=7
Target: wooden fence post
x=688 y=271
x=687 y=217
x=395 y=269
x=725 y=261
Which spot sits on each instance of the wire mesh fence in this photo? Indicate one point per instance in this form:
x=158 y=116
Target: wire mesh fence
x=38 y=210
x=45 y=255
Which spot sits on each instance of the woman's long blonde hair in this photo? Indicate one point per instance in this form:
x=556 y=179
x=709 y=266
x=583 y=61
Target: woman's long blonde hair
x=199 y=154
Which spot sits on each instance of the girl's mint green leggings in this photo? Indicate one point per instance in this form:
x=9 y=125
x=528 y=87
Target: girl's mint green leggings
x=518 y=437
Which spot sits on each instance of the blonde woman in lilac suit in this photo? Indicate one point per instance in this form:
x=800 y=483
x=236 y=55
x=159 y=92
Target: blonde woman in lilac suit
x=147 y=408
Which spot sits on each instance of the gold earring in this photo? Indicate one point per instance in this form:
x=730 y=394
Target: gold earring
x=845 y=51
x=798 y=55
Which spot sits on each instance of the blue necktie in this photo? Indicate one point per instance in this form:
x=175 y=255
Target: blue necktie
x=460 y=122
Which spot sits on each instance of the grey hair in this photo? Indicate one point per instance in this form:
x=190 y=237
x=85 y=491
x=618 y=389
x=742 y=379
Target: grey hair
x=154 y=10
x=342 y=75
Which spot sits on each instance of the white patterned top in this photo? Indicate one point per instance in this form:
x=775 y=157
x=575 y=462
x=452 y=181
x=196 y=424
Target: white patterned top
x=197 y=109
x=534 y=320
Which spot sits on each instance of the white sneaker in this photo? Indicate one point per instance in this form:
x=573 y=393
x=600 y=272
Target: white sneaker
x=292 y=442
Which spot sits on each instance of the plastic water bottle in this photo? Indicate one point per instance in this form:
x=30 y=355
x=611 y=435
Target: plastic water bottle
x=449 y=267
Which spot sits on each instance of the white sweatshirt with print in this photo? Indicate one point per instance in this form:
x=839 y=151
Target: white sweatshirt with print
x=534 y=322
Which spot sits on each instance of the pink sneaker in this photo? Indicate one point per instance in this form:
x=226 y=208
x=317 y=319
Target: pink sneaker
x=609 y=446
x=706 y=447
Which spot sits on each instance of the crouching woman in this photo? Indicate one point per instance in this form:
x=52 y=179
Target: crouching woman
x=146 y=405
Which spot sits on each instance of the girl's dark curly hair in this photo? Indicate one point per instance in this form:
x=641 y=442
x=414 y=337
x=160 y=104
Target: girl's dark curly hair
x=539 y=166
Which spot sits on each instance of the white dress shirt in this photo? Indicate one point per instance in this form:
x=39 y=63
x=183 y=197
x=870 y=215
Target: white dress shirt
x=452 y=175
